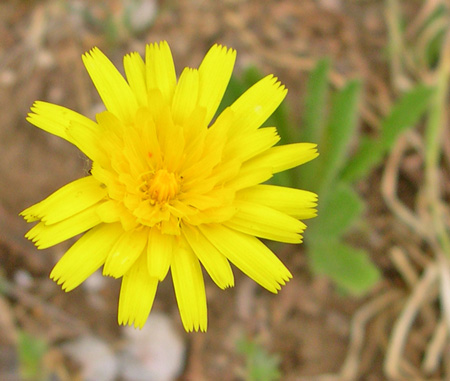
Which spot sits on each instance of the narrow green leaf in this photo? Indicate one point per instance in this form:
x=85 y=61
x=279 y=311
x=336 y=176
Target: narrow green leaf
x=404 y=114
x=315 y=109
x=315 y=106
x=284 y=179
x=251 y=75
x=280 y=120
x=337 y=215
x=369 y=155
x=350 y=268
x=337 y=137
x=432 y=30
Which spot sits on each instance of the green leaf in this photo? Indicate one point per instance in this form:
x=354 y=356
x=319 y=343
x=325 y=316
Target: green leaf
x=337 y=137
x=350 y=268
x=340 y=212
x=369 y=155
x=432 y=33
x=404 y=114
x=284 y=179
x=250 y=76
x=261 y=365
x=280 y=120
x=315 y=106
x=314 y=115
x=31 y=353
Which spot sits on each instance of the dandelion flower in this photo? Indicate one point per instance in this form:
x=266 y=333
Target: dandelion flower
x=170 y=187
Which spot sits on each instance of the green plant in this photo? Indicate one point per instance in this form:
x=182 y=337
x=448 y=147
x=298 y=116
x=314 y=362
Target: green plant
x=259 y=364
x=330 y=119
x=31 y=352
x=334 y=174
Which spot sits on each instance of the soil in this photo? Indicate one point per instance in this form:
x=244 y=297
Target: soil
x=309 y=323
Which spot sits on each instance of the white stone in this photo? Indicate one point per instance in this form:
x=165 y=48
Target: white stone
x=97 y=361
x=154 y=353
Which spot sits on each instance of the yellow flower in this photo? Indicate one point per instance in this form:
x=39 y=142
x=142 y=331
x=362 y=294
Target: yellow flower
x=170 y=187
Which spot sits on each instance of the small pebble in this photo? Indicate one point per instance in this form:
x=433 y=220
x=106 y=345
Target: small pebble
x=154 y=353
x=96 y=359
x=140 y=14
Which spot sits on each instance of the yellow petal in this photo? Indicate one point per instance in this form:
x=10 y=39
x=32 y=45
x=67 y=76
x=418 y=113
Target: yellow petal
x=45 y=236
x=228 y=170
x=149 y=138
x=115 y=92
x=108 y=177
x=157 y=105
x=189 y=288
x=285 y=157
x=250 y=175
x=159 y=253
x=57 y=119
x=136 y=294
x=135 y=71
x=213 y=215
x=85 y=256
x=264 y=222
x=195 y=131
x=185 y=97
x=88 y=141
x=110 y=211
x=134 y=152
x=124 y=253
x=212 y=150
x=213 y=199
x=171 y=140
x=217 y=133
x=66 y=201
x=112 y=129
x=297 y=203
x=160 y=70
x=215 y=263
x=246 y=146
x=215 y=73
x=248 y=254
x=253 y=107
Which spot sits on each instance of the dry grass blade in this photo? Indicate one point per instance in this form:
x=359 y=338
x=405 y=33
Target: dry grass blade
x=434 y=352
x=389 y=190
x=424 y=291
x=402 y=263
x=367 y=312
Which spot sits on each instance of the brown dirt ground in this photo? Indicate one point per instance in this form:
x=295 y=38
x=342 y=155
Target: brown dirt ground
x=308 y=324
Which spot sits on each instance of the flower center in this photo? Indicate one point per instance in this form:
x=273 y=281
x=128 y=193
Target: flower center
x=160 y=186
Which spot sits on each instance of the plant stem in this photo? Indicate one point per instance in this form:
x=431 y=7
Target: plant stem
x=395 y=45
x=433 y=138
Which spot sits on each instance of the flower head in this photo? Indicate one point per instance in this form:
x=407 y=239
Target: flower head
x=171 y=188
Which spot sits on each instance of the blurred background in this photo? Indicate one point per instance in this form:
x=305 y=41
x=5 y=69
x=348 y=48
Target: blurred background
x=370 y=297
